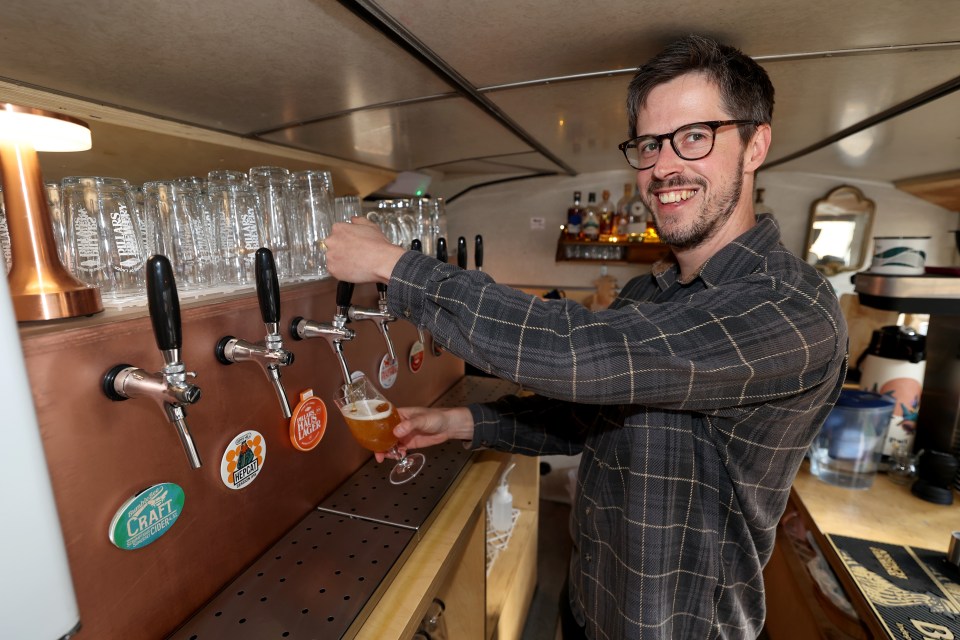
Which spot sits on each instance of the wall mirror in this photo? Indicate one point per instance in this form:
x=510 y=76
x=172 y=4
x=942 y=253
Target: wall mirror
x=838 y=236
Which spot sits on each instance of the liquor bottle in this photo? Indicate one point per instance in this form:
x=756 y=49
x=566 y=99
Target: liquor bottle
x=606 y=211
x=637 y=217
x=591 y=219
x=574 y=218
x=623 y=214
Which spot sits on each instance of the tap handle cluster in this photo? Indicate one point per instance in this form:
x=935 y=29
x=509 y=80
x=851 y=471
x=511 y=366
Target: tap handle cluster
x=462 y=252
x=163 y=303
x=268 y=286
x=416 y=245
x=478 y=252
x=382 y=289
x=442 y=249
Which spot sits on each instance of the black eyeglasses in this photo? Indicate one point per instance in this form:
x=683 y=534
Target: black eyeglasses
x=690 y=142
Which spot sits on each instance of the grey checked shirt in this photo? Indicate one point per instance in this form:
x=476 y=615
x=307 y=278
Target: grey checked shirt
x=692 y=404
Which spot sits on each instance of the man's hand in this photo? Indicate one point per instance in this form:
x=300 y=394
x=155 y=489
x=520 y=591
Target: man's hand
x=422 y=427
x=359 y=252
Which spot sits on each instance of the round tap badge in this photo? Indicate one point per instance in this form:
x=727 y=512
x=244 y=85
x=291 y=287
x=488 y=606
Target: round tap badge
x=308 y=422
x=388 y=371
x=243 y=459
x=146 y=516
x=416 y=357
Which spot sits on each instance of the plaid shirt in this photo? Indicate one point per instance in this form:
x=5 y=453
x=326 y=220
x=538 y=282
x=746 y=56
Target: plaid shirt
x=692 y=404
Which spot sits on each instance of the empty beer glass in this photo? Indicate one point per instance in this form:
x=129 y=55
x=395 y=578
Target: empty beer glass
x=270 y=185
x=176 y=229
x=240 y=233
x=311 y=199
x=5 y=235
x=103 y=236
x=346 y=207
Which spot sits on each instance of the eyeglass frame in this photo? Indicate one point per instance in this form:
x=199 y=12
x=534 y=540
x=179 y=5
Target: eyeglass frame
x=712 y=124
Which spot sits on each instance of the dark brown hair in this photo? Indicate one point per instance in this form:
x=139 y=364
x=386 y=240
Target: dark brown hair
x=746 y=92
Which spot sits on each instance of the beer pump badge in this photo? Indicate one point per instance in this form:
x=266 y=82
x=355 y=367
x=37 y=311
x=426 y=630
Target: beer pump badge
x=146 y=516
x=388 y=371
x=308 y=422
x=243 y=459
x=416 y=357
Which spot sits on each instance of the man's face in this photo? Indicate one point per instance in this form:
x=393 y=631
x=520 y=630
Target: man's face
x=690 y=199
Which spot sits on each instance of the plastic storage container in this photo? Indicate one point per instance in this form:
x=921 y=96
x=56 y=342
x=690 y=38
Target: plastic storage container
x=848 y=448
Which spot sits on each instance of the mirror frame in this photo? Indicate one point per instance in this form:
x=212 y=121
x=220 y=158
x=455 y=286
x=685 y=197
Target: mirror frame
x=840 y=198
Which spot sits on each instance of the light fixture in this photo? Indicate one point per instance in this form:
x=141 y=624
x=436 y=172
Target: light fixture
x=41 y=287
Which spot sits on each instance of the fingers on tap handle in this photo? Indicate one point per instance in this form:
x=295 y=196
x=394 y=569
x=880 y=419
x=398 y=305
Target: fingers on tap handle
x=442 y=249
x=163 y=303
x=416 y=245
x=478 y=252
x=268 y=285
x=462 y=252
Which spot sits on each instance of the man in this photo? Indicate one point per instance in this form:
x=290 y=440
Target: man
x=692 y=399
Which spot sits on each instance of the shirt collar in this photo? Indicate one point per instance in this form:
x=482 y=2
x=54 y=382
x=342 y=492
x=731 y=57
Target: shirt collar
x=739 y=257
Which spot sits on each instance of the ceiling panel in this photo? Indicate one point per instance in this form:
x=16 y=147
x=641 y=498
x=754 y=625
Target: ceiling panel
x=549 y=38
x=581 y=121
x=239 y=66
x=407 y=137
x=516 y=162
x=817 y=98
x=918 y=143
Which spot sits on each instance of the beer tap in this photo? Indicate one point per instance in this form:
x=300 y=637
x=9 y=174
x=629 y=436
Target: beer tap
x=435 y=348
x=335 y=333
x=381 y=316
x=478 y=252
x=417 y=246
x=269 y=354
x=462 y=252
x=169 y=387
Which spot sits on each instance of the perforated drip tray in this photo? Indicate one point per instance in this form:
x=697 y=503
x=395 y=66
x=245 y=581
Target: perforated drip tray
x=368 y=493
x=319 y=579
x=322 y=579
x=312 y=584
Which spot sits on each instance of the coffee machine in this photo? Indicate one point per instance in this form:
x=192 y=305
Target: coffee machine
x=936 y=294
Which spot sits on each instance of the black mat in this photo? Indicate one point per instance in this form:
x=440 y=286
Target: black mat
x=915 y=593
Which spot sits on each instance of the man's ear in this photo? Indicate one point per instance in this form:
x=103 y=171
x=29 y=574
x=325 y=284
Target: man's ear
x=757 y=148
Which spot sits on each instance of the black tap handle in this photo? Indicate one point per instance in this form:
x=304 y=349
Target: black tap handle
x=381 y=288
x=478 y=251
x=163 y=303
x=344 y=294
x=462 y=252
x=442 y=249
x=416 y=245
x=268 y=285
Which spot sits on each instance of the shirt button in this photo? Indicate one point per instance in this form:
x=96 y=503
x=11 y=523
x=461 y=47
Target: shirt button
x=587 y=557
x=406 y=313
x=588 y=510
x=484 y=443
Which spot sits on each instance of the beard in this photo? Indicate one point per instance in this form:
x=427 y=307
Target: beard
x=712 y=215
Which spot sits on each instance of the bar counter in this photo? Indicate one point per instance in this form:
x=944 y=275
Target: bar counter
x=886 y=512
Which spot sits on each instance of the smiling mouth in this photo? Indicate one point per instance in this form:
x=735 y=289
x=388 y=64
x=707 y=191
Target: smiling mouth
x=669 y=197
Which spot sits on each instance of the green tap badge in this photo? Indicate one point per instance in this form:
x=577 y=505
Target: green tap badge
x=146 y=516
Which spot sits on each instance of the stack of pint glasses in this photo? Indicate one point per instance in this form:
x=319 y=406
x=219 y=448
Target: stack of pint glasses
x=405 y=220
x=209 y=228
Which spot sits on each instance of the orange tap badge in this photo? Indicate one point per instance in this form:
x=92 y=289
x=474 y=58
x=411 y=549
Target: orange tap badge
x=308 y=422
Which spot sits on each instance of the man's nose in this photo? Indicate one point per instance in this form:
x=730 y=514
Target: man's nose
x=668 y=162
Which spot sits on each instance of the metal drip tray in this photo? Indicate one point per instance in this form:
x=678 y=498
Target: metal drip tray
x=312 y=584
x=368 y=493
x=321 y=580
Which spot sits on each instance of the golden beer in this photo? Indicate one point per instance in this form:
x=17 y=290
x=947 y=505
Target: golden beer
x=371 y=422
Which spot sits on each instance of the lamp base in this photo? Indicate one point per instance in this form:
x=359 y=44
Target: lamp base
x=66 y=303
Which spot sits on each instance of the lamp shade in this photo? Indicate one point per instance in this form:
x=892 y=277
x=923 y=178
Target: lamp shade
x=43 y=130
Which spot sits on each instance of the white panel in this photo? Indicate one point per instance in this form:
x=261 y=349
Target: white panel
x=499 y=41
x=409 y=136
x=240 y=66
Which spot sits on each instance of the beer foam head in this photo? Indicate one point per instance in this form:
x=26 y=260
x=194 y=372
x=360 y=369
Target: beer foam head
x=367 y=410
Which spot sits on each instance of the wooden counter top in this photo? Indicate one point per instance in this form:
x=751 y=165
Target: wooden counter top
x=886 y=512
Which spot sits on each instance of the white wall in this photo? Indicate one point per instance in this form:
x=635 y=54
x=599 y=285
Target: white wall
x=517 y=255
